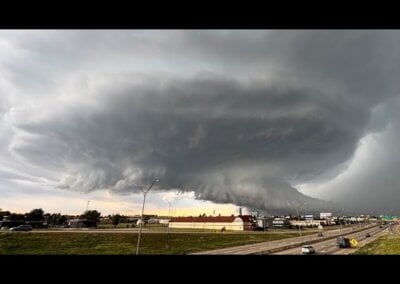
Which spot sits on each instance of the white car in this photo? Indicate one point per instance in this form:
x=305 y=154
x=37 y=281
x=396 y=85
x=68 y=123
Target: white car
x=307 y=250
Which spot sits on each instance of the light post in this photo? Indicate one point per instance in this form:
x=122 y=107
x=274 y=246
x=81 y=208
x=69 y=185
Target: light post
x=389 y=217
x=141 y=218
x=298 y=219
x=170 y=217
x=341 y=220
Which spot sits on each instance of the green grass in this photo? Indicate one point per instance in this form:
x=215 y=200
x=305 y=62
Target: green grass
x=384 y=245
x=124 y=243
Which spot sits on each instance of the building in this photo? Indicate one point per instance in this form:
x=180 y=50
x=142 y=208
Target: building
x=229 y=223
x=280 y=222
x=82 y=223
x=163 y=220
x=309 y=218
x=306 y=223
x=264 y=222
x=325 y=215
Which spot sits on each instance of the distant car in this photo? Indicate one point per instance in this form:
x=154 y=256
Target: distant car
x=367 y=235
x=380 y=226
x=22 y=228
x=307 y=250
x=319 y=235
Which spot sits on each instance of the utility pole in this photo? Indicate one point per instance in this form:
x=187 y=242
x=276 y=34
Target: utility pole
x=87 y=205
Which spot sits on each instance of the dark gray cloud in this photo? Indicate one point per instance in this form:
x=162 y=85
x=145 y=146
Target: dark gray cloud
x=237 y=116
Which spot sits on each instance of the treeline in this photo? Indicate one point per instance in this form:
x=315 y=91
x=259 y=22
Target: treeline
x=52 y=219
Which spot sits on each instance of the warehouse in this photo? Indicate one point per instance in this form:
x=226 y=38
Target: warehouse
x=229 y=223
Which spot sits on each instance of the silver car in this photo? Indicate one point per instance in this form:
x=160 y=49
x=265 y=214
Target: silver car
x=22 y=228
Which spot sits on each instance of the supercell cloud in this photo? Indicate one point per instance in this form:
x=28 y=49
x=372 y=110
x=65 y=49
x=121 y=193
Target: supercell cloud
x=241 y=117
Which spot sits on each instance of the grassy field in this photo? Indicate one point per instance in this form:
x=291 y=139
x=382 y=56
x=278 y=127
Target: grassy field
x=119 y=243
x=384 y=245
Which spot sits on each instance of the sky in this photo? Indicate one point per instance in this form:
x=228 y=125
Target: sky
x=268 y=120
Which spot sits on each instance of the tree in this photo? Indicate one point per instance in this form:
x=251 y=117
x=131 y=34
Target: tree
x=56 y=219
x=35 y=215
x=16 y=217
x=93 y=215
x=115 y=219
x=62 y=220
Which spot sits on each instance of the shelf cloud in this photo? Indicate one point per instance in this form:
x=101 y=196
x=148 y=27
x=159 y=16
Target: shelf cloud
x=240 y=117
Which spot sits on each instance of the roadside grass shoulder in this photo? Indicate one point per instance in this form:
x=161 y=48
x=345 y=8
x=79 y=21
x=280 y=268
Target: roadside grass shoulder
x=384 y=245
x=119 y=243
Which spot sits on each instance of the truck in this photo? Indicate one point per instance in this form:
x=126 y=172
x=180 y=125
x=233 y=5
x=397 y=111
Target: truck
x=343 y=242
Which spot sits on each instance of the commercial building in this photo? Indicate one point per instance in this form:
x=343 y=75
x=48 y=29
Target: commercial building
x=229 y=223
x=280 y=222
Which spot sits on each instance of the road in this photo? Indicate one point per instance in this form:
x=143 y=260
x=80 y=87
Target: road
x=273 y=246
x=329 y=246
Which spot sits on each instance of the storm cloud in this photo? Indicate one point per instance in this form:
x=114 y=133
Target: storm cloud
x=240 y=117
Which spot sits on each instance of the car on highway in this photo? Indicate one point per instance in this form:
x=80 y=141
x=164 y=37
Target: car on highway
x=319 y=235
x=307 y=250
x=22 y=228
x=367 y=235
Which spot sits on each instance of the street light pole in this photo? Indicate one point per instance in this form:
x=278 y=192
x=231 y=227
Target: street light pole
x=170 y=216
x=141 y=218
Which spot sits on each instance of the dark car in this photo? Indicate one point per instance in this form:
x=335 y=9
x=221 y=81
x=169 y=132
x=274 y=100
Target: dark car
x=22 y=228
x=367 y=235
x=319 y=235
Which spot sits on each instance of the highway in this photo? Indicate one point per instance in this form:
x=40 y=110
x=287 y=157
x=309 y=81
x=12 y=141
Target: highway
x=329 y=246
x=274 y=246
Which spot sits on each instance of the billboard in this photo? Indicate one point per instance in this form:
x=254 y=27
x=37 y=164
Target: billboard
x=309 y=217
x=324 y=215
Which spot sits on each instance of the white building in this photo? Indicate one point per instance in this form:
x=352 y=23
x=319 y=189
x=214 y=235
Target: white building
x=305 y=223
x=230 y=223
x=325 y=215
x=163 y=221
x=279 y=222
x=309 y=217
